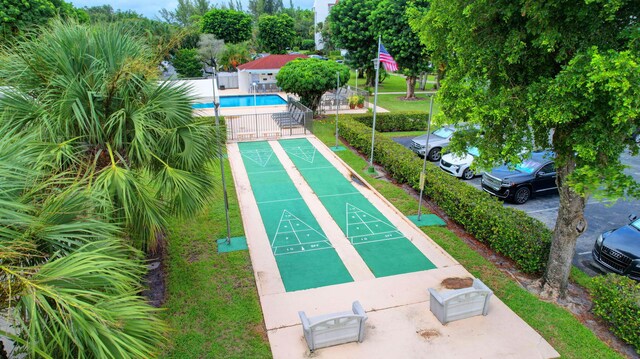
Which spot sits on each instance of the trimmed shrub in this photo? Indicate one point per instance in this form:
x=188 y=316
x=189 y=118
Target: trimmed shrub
x=508 y=231
x=392 y=122
x=616 y=299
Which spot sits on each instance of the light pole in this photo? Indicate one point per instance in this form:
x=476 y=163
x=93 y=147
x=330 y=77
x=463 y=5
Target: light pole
x=424 y=163
x=255 y=105
x=356 y=81
x=216 y=106
x=337 y=105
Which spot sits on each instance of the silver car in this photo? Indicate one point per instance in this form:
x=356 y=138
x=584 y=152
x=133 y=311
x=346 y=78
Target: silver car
x=438 y=139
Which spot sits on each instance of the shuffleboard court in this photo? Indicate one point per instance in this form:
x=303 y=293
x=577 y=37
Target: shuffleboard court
x=305 y=258
x=385 y=250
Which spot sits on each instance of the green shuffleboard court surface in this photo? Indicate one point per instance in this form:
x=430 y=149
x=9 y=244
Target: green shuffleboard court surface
x=385 y=250
x=305 y=258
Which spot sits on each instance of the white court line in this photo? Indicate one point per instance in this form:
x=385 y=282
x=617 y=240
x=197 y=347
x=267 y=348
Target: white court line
x=377 y=240
x=360 y=235
x=280 y=200
x=306 y=250
x=289 y=245
x=369 y=228
x=339 y=194
x=258 y=172
x=583 y=253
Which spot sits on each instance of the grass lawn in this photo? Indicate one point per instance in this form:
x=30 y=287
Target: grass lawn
x=393 y=83
x=559 y=327
x=212 y=304
x=394 y=104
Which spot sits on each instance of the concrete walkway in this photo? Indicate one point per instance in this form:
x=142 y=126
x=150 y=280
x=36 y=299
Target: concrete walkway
x=400 y=324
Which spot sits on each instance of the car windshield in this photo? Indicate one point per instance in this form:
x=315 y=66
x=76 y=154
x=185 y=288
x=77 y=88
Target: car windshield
x=444 y=132
x=473 y=151
x=528 y=166
x=636 y=224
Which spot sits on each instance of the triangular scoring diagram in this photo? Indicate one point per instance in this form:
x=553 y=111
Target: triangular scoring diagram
x=259 y=157
x=294 y=235
x=362 y=227
x=304 y=153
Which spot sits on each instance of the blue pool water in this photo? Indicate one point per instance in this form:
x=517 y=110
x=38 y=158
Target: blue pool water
x=245 y=100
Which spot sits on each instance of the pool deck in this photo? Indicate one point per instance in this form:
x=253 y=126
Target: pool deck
x=400 y=324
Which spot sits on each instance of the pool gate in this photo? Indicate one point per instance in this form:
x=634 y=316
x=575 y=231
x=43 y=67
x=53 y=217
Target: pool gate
x=297 y=119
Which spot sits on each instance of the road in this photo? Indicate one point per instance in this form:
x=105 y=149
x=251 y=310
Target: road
x=601 y=215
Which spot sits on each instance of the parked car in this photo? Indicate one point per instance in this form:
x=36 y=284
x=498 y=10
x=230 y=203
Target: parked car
x=318 y=57
x=438 y=139
x=459 y=165
x=618 y=251
x=535 y=175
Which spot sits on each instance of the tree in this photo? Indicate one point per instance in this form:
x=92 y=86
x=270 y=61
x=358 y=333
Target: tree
x=68 y=285
x=235 y=55
x=311 y=78
x=390 y=19
x=262 y=7
x=93 y=92
x=210 y=50
x=106 y=13
x=275 y=33
x=228 y=25
x=351 y=30
x=303 y=20
x=553 y=74
x=187 y=63
x=17 y=16
x=186 y=12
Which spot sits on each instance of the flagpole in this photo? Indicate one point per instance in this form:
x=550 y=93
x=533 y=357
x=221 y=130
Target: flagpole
x=375 y=105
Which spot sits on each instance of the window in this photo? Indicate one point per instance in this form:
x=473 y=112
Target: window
x=549 y=168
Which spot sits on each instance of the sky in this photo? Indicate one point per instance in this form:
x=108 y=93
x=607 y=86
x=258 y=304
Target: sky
x=150 y=8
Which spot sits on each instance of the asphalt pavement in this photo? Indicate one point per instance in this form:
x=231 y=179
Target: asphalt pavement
x=600 y=215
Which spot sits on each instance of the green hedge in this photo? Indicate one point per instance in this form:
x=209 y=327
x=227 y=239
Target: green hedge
x=616 y=299
x=392 y=122
x=508 y=231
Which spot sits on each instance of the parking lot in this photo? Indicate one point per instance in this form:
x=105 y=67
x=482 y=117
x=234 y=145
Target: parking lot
x=600 y=215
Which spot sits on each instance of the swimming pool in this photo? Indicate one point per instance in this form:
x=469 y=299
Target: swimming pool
x=245 y=100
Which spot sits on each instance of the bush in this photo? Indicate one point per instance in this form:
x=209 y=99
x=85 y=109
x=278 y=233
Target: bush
x=392 y=122
x=508 y=231
x=616 y=299
x=308 y=44
x=187 y=63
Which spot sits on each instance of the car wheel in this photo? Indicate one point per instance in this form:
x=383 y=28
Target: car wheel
x=435 y=154
x=522 y=195
x=468 y=174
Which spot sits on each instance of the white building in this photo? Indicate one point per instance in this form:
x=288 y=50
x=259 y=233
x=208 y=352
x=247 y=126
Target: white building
x=262 y=71
x=321 y=10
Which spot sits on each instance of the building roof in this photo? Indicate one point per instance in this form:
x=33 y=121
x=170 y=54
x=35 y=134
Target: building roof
x=270 y=62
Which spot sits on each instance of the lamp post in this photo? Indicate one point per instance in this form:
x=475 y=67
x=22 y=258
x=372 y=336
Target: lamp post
x=337 y=105
x=356 y=81
x=424 y=163
x=216 y=106
x=255 y=105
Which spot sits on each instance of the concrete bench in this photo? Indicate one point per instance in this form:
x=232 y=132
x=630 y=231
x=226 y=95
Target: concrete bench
x=460 y=303
x=271 y=134
x=335 y=328
x=245 y=136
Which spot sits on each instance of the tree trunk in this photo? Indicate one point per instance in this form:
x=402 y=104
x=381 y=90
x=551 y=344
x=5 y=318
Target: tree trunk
x=423 y=81
x=411 y=88
x=570 y=223
x=371 y=76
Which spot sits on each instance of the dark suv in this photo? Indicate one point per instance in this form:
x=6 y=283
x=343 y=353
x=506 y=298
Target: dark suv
x=535 y=175
x=618 y=250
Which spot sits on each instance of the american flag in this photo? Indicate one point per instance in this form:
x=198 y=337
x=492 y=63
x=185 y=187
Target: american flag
x=387 y=60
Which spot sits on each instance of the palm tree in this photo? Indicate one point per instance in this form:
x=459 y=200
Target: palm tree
x=91 y=92
x=68 y=286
